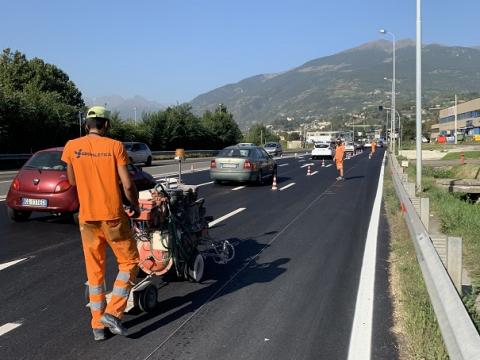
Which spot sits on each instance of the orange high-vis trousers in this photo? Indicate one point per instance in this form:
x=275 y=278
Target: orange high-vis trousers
x=95 y=236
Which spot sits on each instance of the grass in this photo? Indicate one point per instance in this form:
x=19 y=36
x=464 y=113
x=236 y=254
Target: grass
x=458 y=217
x=415 y=322
x=467 y=154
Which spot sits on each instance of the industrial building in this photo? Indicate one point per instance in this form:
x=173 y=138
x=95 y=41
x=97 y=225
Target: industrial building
x=468 y=120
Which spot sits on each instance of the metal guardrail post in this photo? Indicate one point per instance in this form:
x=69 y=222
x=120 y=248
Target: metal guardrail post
x=458 y=332
x=425 y=211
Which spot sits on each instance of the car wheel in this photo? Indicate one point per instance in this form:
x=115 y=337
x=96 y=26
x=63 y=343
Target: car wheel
x=259 y=179
x=75 y=217
x=149 y=161
x=18 y=216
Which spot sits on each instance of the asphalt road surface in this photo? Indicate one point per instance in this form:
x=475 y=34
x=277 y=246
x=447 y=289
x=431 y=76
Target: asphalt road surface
x=290 y=293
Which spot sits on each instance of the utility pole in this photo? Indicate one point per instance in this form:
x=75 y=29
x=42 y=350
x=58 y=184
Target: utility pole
x=456 y=118
x=419 y=96
x=135 y=112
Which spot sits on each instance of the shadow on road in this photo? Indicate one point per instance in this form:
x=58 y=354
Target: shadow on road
x=222 y=280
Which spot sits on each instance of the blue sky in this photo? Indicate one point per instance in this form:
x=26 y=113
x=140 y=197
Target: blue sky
x=174 y=50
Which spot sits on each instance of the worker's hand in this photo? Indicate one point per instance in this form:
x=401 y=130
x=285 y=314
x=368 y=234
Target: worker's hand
x=134 y=211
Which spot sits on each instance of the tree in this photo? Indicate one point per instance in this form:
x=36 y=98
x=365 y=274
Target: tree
x=258 y=133
x=38 y=104
x=222 y=127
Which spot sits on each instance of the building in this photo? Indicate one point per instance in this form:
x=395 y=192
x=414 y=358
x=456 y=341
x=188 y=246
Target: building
x=468 y=120
x=322 y=136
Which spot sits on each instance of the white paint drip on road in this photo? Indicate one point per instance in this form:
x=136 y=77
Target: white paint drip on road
x=224 y=217
x=287 y=186
x=329 y=165
x=305 y=165
x=11 y=263
x=313 y=173
x=282 y=165
x=361 y=336
x=239 y=188
x=9 y=327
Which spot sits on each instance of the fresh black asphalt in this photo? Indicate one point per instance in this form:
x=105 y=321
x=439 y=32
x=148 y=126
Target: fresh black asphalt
x=289 y=293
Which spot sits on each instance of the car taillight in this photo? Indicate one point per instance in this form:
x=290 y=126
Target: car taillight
x=213 y=164
x=247 y=164
x=62 y=186
x=16 y=184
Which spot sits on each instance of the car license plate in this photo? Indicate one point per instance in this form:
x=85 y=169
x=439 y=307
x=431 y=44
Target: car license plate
x=34 y=202
x=230 y=166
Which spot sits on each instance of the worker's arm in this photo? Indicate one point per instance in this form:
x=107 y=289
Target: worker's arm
x=71 y=175
x=129 y=187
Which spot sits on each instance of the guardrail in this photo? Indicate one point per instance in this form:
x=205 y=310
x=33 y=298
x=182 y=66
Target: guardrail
x=458 y=331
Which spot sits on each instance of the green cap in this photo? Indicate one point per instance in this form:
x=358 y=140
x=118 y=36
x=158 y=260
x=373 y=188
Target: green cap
x=98 y=112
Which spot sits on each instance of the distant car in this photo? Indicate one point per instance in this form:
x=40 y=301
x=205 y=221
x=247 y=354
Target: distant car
x=42 y=185
x=138 y=153
x=243 y=164
x=273 y=148
x=322 y=151
x=350 y=147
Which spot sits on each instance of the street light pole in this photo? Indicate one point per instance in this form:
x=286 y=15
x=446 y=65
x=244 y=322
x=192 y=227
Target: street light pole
x=385 y=32
x=419 y=96
x=456 y=118
x=135 y=111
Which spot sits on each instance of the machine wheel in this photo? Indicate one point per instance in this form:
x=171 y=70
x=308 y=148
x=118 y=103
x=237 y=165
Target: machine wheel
x=18 y=216
x=149 y=161
x=195 y=268
x=147 y=298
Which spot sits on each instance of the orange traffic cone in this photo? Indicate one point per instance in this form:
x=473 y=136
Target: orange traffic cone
x=309 y=171
x=323 y=162
x=274 y=182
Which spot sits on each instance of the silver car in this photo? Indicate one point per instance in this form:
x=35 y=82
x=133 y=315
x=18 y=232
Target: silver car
x=138 y=153
x=273 y=148
x=243 y=164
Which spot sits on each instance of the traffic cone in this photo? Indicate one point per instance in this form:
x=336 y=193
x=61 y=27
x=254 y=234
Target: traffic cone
x=309 y=172
x=323 y=162
x=274 y=182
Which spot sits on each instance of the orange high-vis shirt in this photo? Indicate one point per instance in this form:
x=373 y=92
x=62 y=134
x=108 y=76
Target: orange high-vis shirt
x=95 y=160
x=374 y=146
x=339 y=153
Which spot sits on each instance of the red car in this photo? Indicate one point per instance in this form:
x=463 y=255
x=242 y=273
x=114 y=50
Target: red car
x=42 y=185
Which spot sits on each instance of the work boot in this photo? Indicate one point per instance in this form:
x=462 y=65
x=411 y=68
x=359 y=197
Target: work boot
x=98 y=334
x=114 y=324
x=339 y=178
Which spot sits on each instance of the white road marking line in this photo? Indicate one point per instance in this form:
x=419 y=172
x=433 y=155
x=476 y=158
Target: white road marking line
x=286 y=186
x=176 y=172
x=328 y=165
x=282 y=165
x=301 y=160
x=11 y=263
x=313 y=173
x=9 y=327
x=305 y=165
x=204 y=184
x=224 y=217
x=239 y=188
x=361 y=336
x=6 y=181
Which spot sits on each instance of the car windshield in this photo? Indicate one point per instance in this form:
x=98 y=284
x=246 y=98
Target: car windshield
x=128 y=147
x=243 y=153
x=47 y=160
x=271 y=145
x=321 y=146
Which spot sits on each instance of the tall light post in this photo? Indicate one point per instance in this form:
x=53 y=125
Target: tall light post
x=135 y=115
x=385 y=32
x=419 y=96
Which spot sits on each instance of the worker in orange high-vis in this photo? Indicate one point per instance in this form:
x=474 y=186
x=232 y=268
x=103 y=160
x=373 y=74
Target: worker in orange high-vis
x=97 y=166
x=373 y=149
x=339 y=156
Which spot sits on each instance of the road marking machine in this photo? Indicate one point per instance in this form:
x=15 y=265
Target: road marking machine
x=172 y=239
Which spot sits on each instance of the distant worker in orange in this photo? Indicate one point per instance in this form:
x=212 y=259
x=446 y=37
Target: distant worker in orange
x=339 y=156
x=97 y=166
x=374 y=148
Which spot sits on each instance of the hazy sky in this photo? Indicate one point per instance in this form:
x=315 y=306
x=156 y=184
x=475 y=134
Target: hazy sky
x=174 y=50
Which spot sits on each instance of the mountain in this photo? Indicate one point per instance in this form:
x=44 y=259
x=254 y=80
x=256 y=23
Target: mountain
x=347 y=81
x=126 y=107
